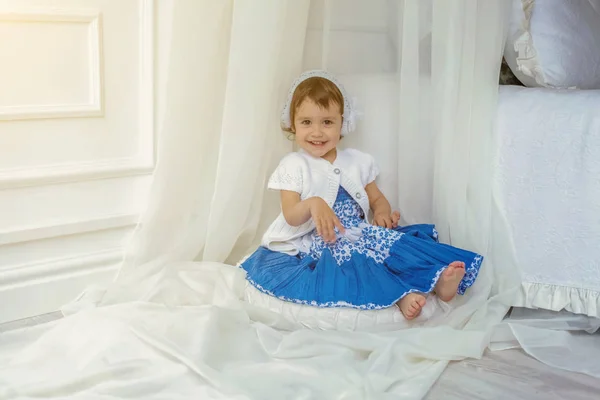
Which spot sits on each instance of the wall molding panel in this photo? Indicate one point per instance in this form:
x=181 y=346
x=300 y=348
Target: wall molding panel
x=94 y=106
x=143 y=162
x=48 y=285
x=65 y=267
x=67 y=228
x=79 y=137
x=75 y=172
x=147 y=94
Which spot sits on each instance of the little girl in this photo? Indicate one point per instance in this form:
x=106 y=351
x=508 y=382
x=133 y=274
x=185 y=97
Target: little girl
x=323 y=249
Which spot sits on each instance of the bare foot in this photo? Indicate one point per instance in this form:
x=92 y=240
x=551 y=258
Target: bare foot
x=447 y=286
x=411 y=305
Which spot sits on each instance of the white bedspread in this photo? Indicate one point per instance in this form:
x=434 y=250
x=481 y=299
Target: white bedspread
x=548 y=183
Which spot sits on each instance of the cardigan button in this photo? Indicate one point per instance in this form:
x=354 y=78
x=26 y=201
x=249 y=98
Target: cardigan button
x=358 y=196
x=337 y=171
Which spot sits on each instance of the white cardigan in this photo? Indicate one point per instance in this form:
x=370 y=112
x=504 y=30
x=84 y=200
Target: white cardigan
x=315 y=177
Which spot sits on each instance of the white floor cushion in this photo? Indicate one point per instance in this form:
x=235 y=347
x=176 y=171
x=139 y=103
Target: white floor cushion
x=339 y=318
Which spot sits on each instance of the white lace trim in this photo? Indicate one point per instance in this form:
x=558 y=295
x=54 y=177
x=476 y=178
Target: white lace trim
x=527 y=56
x=350 y=113
x=373 y=172
x=527 y=59
x=287 y=181
x=471 y=274
x=557 y=298
x=284 y=179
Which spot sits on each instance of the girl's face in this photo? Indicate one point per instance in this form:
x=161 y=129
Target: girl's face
x=318 y=130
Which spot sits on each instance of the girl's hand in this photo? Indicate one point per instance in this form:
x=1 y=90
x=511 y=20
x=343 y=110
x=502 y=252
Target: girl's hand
x=385 y=220
x=325 y=220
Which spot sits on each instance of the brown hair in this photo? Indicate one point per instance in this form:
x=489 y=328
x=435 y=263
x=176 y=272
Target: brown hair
x=320 y=90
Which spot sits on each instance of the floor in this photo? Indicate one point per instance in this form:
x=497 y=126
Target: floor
x=510 y=374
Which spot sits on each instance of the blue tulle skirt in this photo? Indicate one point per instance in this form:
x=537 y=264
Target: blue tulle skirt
x=372 y=270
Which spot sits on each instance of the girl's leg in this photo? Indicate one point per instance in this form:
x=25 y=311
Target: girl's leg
x=447 y=286
x=411 y=305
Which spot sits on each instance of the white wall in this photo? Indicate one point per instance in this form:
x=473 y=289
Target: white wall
x=362 y=36
x=77 y=143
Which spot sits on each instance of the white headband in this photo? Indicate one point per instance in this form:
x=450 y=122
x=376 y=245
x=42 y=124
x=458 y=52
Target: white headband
x=349 y=116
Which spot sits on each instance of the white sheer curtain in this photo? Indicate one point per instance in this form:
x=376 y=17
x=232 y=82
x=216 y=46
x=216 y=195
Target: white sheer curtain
x=230 y=66
x=173 y=324
x=425 y=74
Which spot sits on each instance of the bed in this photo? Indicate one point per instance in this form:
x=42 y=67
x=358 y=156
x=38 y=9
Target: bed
x=548 y=183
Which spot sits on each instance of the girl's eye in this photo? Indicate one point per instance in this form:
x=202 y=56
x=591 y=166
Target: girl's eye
x=305 y=122
x=328 y=122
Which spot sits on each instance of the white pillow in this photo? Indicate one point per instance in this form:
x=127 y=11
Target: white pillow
x=555 y=43
x=342 y=319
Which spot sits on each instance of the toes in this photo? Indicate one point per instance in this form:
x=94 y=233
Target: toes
x=414 y=309
x=457 y=264
x=413 y=305
x=454 y=268
x=417 y=304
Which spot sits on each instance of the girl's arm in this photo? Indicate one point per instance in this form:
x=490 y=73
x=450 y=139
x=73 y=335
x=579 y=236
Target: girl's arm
x=382 y=211
x=297 y=212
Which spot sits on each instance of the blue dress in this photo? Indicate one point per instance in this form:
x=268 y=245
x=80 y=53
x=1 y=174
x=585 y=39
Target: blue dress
x=369 y=267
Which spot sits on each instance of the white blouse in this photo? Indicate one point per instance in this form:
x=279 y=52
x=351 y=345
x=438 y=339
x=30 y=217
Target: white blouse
x=315 y=177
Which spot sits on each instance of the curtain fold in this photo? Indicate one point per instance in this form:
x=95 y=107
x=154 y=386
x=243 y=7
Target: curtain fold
x=265 y=55
x=229 y=68
x=415 y=135
x=465 y=91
